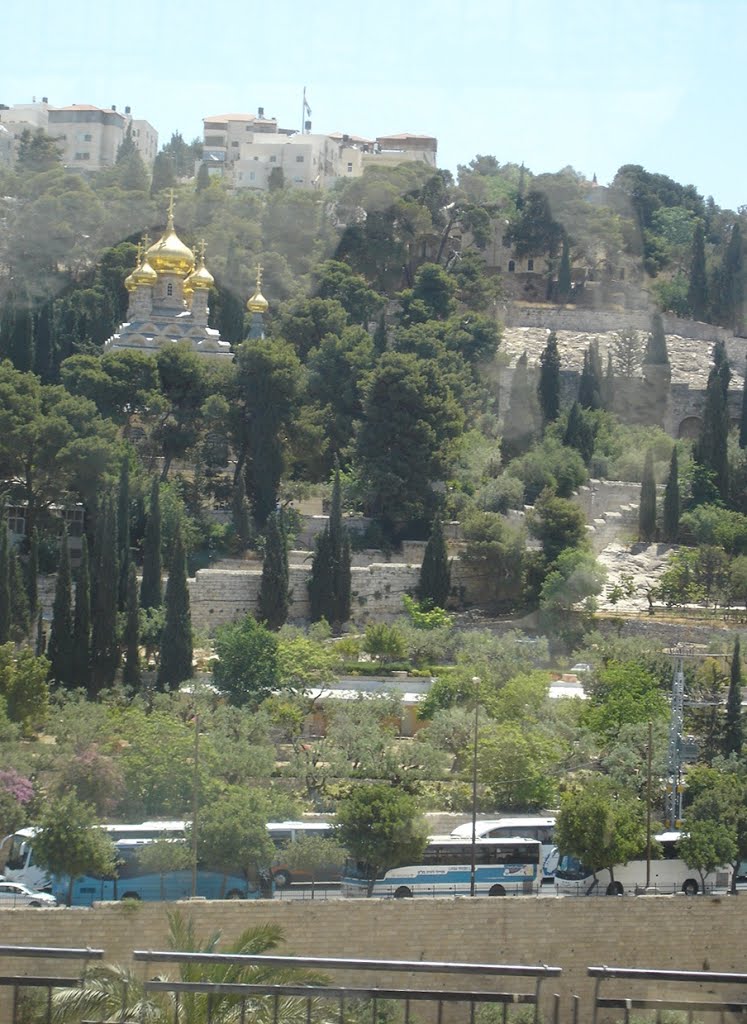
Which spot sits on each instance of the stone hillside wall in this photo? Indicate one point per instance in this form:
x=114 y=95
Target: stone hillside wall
x=559 y=318
x=665 y=932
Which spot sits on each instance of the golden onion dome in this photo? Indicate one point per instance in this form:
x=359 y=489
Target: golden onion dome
x=144 y=274
x=258 y=303
x=169 y=255
x=130 y=282
x=199 y=278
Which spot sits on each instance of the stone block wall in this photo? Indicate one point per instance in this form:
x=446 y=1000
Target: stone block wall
x=560 y=318
x=666 y=932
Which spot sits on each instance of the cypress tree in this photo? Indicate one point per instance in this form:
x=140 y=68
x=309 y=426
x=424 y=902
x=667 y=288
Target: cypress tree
x=656 y=353
x=240 y=509
x=721 y=366
x=711 y=446
x=564 y=273
x=5 y=608
x=81 y=659
x=104 y=640
x=733 y=727
x=41 y=644
x=20 y=616
x=697 y=292
x=548 y=386
x=32 y=574
x=608 y=385
x=273 y=589
x=672 y=504
x=590 y=385
x=60 y=647
x=647 y=507
x=151 y=594
x=380 y=335
x=123 y=533
x=743 y=416
x=131 y=670
x=521 y=420
x=330 y=580
x=734 y=280
x=579 y=433
x=175 y=664
x=434 y=583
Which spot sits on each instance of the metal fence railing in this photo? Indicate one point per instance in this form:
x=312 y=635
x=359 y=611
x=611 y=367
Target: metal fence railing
x=688 y=1004
x=19 y=982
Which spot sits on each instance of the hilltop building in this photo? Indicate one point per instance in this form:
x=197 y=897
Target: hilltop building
x=253 y=151
x=88 y=136
x=169 y=290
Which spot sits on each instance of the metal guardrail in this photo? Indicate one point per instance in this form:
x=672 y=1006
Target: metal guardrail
x=690 y=1006
x=247 y=994
x=18 y=982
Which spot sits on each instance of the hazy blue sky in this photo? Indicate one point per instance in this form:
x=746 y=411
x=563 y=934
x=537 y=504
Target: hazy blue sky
x=595 y=85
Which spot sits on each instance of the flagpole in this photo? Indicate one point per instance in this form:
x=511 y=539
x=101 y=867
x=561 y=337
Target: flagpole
x=303 y=110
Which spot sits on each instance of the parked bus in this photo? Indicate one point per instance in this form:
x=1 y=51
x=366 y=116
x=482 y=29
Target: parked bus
x=131 y=880
x=285 y=832
x=525 y=827
x=669 y=874
x=502 y=867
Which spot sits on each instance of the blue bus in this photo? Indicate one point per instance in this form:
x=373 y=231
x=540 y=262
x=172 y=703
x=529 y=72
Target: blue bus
x=502 y=867
x=131 y=880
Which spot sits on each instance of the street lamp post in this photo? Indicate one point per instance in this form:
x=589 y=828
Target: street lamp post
x=476 y=686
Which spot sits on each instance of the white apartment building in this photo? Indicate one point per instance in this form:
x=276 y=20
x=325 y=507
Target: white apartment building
x=88 y=136
x=247 y=148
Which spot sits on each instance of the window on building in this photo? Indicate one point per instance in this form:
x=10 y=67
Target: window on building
x=169 y=289
x=88 y=138
x=82 y=156
x=299 y=159
x=235 y=145
x=530 y=264
x=252 y=176
x=273 y=159
x=256 y=158
x=350 y=168
x=511 y=266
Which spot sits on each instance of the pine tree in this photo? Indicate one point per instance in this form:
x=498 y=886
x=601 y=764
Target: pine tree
x=380 y=335
x=434 y=583
x=564 y=274
x=104 y=639
x=647 y=507
x=697 y=292
x=273 y=589
x=733 y=737
x=203 y=178
x=131 y=670
x=743 y=416
x=123 y=533
x=5 y=607
x=175 y=664
x=164 y=175
x=151 y=594
x=711 y=446
x=330 y=580
x=32 y=574
x=548 y=386
x=60 y=647
x=672 y=504
x=656 y=353
x=81 y=658
x=20 y=616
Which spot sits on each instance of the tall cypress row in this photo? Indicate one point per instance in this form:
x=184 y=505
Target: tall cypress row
x=330 y=580
x=151 y=594
x=672 y=503
x=104 y=640
x=434 y=582
x=123 y=532
x=733 y=734
x=647 y=507
x=175 y=664
x=81 y=669
x=5 y=609
x=60 y=646
x=273 y=589
x=131 y=670
x=697 y=292
x=548 y=386
x=711 y=446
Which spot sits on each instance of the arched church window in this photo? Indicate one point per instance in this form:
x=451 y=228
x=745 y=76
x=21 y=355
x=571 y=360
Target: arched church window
x=511 y=266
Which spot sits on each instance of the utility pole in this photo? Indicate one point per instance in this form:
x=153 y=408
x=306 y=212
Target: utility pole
x=476 y=686
x=195 y=803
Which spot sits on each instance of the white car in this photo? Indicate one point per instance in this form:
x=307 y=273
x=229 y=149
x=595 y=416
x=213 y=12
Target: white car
x=580 y=666
x=13 y=894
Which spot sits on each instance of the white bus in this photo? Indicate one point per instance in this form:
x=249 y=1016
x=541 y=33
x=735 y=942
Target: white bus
x=502 y=867
x=669 y=874
x=526 y=827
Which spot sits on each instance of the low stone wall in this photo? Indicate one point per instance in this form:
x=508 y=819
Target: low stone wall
x=566 y=318
x=651 y=931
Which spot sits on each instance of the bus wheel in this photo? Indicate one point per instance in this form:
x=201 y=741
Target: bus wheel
x=403 y=893
x=282 y=879
x=234 y=894
x=690 y=887
x=496 y=890
x=615 y=889
x=130 y=896
x=33 y=903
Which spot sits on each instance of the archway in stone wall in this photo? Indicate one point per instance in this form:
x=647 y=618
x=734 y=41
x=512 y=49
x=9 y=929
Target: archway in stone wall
x=690 y=427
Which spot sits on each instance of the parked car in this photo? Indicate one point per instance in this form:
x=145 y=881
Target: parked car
x=580 y=666
x=13 y=894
